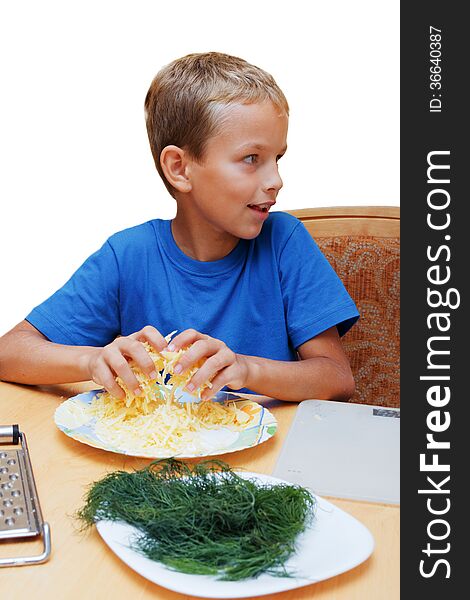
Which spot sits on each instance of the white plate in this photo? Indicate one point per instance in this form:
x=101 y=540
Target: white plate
x=334 y=543
x=73 y=419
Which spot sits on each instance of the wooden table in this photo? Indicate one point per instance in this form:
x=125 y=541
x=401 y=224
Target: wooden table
x=82 y=567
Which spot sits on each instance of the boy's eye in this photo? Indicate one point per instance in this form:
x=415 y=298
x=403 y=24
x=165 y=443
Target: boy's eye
x=251 y=159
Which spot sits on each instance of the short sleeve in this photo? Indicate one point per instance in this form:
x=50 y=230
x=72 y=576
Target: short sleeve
x=314 y=297
x=85 y=311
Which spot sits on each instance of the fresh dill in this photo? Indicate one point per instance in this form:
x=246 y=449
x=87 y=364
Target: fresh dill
x=204 y=518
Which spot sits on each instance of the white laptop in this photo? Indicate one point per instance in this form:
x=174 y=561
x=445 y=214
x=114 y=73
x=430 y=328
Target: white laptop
x=344 y=450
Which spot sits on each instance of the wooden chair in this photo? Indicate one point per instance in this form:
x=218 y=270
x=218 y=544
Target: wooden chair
x=363 y=246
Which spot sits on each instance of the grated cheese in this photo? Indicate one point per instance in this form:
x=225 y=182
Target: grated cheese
x=170 y=429
x=155 y=420
x=157 y=389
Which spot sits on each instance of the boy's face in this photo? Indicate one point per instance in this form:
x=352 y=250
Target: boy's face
x=238 y=179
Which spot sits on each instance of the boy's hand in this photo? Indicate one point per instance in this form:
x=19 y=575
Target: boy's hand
x=222 y=366
x=105 y=364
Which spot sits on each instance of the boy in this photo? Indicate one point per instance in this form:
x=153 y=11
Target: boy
x=249 y=290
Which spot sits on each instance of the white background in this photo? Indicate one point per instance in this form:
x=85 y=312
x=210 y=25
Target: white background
x=74 y=158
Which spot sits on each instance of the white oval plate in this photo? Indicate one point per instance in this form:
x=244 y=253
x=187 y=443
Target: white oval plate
x=334 y=543
x=71 y=418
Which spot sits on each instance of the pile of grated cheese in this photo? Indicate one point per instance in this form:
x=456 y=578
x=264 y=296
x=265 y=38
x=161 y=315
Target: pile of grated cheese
x=167 y=383
x=155 y=423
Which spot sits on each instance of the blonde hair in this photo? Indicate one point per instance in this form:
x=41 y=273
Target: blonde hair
x=184 y=101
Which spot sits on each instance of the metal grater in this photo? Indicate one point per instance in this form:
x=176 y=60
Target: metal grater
x=20 y=513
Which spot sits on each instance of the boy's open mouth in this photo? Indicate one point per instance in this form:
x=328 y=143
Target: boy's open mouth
x=259 y=207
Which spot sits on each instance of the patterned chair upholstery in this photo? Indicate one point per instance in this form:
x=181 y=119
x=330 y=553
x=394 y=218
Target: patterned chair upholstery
x=363 y=246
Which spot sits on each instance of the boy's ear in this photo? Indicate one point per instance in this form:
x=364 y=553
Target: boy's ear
x=174 y=162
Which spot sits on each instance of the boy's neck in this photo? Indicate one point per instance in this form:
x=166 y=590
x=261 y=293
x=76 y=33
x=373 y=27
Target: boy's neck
x=199 y=240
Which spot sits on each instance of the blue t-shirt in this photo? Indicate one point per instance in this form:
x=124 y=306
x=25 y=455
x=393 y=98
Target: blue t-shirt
x=266 y=298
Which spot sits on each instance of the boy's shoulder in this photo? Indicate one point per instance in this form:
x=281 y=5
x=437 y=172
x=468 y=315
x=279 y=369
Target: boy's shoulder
x=137 y=235
x=280 y=222
x=279 y=227
x=282 y=219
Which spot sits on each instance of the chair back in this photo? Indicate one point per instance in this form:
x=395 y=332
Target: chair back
x=363 y=246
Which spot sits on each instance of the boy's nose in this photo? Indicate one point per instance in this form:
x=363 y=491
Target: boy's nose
x=273 y=182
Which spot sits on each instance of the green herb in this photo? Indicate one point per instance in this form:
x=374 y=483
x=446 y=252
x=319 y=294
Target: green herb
x=204 y=518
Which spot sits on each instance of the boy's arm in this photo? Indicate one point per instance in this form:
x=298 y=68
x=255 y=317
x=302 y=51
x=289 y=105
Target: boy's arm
x=323 y=372
x=27 y=356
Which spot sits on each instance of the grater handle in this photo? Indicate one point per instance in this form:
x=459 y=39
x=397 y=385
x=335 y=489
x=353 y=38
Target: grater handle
x=9 y=434
x=21 y=561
